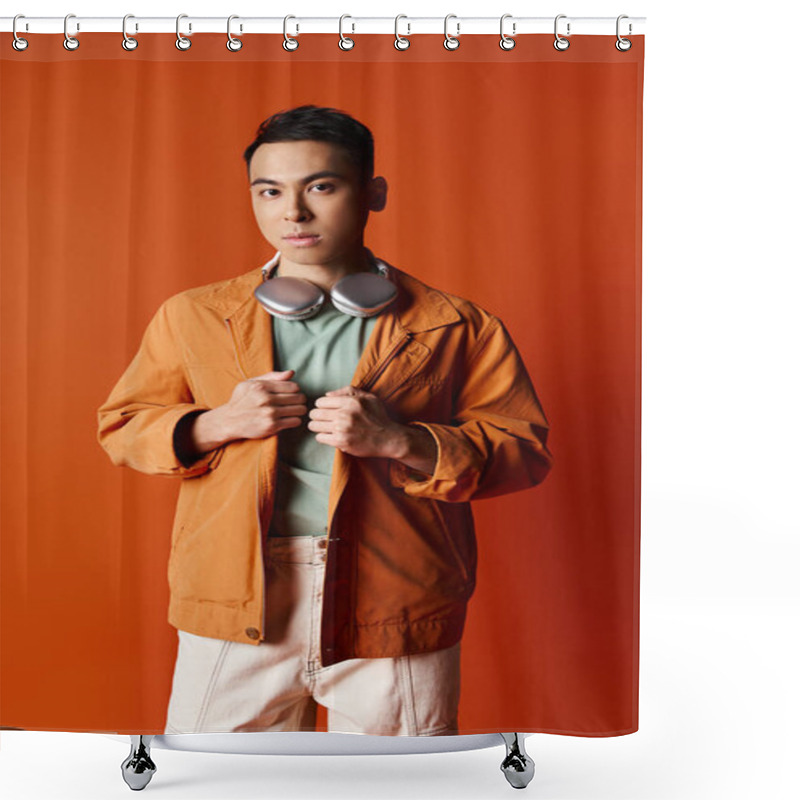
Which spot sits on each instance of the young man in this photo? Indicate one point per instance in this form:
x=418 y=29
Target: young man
x=323 y=549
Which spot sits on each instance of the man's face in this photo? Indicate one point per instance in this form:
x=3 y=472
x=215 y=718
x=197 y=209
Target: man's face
x=308 y=202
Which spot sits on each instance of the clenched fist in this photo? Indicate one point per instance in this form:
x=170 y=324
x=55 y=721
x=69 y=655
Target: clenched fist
x=259 y=407
x=356 y=422
x=263 y=406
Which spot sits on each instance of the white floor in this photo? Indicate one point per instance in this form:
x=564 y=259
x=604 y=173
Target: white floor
x=719 y=704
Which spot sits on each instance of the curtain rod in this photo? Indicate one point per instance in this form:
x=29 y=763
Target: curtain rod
x=406 y=26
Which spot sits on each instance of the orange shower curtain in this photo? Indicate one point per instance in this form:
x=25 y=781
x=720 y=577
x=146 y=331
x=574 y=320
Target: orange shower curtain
x=514 y=181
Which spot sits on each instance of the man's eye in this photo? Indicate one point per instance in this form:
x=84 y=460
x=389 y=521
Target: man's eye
x=322 y=186
x=267 y=192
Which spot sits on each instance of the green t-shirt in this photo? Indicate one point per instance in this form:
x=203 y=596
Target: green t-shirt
x=324 y=351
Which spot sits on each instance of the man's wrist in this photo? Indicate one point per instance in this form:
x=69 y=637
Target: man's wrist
x=208 y=431
x=415 y=447
x=182 y=439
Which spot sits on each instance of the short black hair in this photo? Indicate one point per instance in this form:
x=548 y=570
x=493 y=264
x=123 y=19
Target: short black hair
x=315 y=123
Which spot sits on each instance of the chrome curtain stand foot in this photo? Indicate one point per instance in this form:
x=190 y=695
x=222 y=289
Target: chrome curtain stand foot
x=138 y=768
x=517 y=766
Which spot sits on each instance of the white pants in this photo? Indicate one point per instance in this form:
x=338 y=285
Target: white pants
x=220 y=686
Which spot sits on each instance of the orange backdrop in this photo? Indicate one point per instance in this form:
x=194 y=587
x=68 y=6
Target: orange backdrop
x=514 y=181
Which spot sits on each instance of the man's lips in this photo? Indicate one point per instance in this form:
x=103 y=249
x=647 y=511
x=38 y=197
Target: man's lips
x=302 y=240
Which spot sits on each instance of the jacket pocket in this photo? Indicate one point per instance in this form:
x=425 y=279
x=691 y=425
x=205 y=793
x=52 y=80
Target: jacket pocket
x=191 y=498
x=455 y=551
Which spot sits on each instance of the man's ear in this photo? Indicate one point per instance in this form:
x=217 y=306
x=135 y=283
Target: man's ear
x=378 y=189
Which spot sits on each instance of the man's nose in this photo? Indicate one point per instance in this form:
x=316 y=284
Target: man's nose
x=296 y=209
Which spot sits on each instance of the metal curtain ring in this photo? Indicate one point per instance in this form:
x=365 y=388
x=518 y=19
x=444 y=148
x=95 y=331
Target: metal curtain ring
x=182 y=43
x=400 y=42
x=561 y=43
x=70 y=42
x=345 y=42
x=506 y=42
x=451 y=42
x=233 y=44
x=128 y=42
x=18 y=43
x=289 y=43
x=623 y=45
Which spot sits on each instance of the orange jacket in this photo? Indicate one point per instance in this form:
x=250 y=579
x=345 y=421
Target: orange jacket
x=401 y=544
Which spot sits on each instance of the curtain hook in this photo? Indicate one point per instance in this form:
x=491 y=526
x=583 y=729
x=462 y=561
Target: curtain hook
x=288 y=42
x=233 y=44
x=506 y=42
x=400 y=42
x=623 y=45
x=70 y=42
x=451 y=42
x=561 y=43
x=18 y=43
x=182 y=43
x=128 y=42
x=345 y=42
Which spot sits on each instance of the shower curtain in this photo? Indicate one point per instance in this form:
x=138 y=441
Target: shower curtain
x=514 y=185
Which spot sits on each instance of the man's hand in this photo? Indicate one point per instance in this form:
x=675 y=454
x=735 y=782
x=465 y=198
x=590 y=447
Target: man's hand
x=263 y=406
x=351 y=419
x=357 y=423
x=259 y=407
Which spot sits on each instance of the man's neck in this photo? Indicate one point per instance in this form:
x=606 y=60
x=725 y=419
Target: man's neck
x=325 y=275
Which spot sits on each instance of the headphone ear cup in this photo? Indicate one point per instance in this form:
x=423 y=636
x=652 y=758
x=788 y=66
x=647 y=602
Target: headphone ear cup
x=290 y=298
x=363 y=294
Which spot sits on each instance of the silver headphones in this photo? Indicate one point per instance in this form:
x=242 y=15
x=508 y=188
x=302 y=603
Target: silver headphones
x=363 y=294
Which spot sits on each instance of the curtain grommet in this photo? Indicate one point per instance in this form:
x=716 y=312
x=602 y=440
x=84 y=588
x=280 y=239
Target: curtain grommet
x=400 y=42
x=182 y=43
x=18 y=43
x=507 y=42
x=290 y=44
x=70 y=42
x=233 y=44
x=129 y=42
x=345 y=42
x=451 y=42
x=622 y=44
x=560 y=42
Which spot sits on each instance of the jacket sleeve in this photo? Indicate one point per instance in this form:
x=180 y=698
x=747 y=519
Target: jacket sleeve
x=498 y=442
x=137 y=423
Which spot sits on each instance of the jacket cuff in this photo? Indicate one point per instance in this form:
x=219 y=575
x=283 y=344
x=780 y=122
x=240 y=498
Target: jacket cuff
x=187 y=464
x=170 y=453
x=415 y=481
